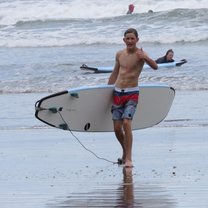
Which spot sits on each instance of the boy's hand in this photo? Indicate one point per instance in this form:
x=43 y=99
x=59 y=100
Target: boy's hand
x=141 y=54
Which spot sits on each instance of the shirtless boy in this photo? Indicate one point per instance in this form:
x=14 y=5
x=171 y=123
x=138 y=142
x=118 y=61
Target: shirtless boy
x=128 y=66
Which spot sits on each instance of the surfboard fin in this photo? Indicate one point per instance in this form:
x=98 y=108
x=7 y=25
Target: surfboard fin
x=63 y=126
x=53 y=109
x=74 y=94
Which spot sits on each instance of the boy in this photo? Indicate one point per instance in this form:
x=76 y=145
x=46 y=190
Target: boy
x=127 y=69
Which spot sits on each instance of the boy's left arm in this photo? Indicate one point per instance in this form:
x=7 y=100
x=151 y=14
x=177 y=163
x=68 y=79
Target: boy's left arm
x=147 y=59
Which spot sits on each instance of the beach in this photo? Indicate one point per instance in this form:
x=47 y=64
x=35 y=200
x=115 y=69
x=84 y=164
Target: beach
x=47 y=167
x=42 y=46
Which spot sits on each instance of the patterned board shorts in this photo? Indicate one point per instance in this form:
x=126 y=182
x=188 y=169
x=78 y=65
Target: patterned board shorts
x=124 y=103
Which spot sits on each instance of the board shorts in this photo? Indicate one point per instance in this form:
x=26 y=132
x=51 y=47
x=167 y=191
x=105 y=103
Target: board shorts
x=124 y=103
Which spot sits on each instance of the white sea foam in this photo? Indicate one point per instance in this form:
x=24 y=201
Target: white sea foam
x=14 y=11
x=45 y=23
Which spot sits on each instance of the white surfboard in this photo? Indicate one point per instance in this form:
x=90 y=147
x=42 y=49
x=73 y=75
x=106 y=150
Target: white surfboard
x=109 y=69
x=88 y=109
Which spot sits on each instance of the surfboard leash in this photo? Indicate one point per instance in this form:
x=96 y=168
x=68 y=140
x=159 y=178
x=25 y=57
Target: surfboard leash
x=65 y=126
x=87 y=149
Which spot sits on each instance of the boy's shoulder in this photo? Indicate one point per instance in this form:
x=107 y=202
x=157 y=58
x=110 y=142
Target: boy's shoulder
x=120 y=52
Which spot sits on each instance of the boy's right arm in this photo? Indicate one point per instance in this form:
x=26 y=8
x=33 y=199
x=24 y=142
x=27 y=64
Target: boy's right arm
x=114 y=74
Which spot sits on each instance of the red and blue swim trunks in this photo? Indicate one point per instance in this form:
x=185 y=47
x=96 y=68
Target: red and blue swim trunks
x=124 y=103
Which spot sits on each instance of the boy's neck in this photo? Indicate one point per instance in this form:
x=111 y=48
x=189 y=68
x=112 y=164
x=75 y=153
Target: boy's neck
x=131 y=50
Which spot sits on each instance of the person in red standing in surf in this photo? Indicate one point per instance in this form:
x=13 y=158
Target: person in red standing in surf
x=131 y=9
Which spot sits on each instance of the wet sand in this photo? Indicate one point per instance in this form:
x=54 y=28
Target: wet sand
x=49 y=168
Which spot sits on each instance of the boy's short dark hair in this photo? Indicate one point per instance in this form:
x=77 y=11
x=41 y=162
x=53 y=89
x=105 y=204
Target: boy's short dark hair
x=131 y=30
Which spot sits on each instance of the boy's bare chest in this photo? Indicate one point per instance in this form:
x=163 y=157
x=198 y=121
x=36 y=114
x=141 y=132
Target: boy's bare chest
x=128 y=60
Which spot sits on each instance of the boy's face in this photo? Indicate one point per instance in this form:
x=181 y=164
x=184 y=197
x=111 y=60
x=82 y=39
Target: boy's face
x=131 y=40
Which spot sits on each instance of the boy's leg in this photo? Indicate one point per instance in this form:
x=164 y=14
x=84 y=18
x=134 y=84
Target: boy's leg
x=128 y=142
x=129 y=111
x=118 y=129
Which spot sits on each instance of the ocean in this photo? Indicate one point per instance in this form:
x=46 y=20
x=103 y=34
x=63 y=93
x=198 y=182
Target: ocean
x=43 y=43
x=61 y=23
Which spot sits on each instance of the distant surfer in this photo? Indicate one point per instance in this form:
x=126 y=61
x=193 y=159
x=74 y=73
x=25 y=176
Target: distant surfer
x=128 y=66
x=131 y=9
x=167 y=58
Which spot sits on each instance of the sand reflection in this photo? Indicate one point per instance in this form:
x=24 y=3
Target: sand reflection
x=127 y=190
x=127 y=194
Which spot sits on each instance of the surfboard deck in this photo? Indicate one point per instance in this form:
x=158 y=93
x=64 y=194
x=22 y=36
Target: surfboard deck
x=108 y=69
x=88 y=109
